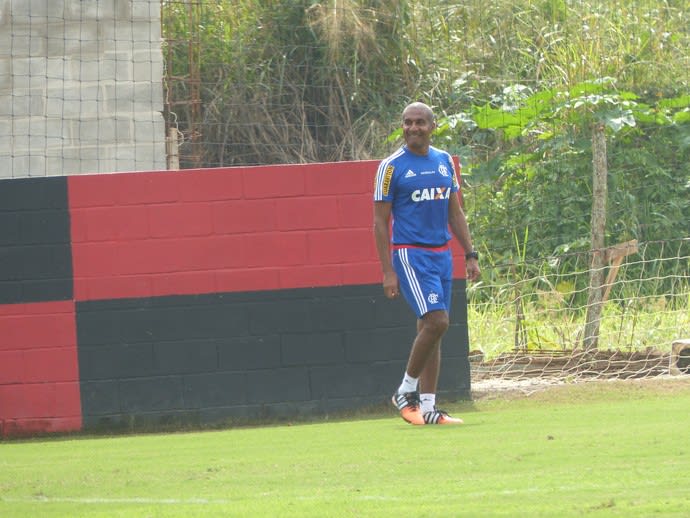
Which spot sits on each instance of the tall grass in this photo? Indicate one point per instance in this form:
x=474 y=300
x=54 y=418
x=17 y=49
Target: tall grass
x=541 y=306
x=553 y=42
x=625 y=326
x=307 y=81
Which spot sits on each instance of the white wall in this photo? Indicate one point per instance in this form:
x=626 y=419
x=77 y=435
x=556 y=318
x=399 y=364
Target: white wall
x=80 y=87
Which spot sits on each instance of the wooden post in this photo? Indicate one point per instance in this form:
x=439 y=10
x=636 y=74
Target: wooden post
x=173 y=150
x=614 y=256
x=598 y=227
x=520 y=334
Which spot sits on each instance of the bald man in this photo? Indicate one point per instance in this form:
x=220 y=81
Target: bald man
x=416 y=188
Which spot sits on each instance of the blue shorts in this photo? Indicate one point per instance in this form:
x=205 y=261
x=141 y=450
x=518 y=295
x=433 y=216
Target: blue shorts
x=425 y=276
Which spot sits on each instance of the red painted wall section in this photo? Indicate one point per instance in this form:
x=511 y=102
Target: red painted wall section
x=184 y=232
x=222 y=230
x=39 y=379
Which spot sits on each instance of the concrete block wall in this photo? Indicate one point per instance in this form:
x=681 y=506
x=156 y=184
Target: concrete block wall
x=80 y=87
x=200 y=296
x=39 y=375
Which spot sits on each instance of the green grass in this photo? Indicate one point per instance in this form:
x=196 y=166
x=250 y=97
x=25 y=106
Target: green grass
x=492 y=327
x=595 y=449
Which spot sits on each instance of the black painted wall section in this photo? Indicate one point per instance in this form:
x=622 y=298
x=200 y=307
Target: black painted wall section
x=272 y=354
x=35 y=250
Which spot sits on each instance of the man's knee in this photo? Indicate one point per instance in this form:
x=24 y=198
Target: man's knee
x=436 y=322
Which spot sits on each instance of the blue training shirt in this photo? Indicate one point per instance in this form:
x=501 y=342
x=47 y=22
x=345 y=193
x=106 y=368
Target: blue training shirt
x=419 y=188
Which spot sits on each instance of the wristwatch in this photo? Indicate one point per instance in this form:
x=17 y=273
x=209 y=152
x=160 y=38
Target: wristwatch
x=472 y=255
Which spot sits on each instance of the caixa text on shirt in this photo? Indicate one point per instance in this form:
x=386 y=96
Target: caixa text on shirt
x=432 y=193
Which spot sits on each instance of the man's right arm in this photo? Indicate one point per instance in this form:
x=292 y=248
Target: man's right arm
x=382 y=218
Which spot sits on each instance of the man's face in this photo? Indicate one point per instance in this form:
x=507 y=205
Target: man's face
x=417 y=127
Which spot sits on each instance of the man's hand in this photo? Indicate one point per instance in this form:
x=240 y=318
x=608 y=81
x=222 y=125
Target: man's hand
x=472 y=267
x=391 y=287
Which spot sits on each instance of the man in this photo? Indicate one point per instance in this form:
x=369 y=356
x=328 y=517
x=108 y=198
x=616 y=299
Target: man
x=417 y=188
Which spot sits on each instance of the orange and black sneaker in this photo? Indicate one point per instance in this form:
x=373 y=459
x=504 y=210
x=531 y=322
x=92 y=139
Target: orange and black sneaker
x=408 y=404
x=437 y=416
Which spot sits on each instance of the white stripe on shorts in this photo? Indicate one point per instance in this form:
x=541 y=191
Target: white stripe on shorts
x=412 y=281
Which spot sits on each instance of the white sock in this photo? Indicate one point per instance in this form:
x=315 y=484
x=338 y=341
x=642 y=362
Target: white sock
x=409 y=384
x=428 y=402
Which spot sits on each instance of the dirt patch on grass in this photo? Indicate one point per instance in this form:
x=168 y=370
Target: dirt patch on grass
x=581 y=390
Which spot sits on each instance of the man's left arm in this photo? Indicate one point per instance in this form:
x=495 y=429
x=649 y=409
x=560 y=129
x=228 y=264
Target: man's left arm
x=461 y=230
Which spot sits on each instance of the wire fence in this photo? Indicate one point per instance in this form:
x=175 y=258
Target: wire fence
x=531 y=328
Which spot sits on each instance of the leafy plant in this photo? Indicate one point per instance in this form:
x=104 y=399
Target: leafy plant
x=543 y=180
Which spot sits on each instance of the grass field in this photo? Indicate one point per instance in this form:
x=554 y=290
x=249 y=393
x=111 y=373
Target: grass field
x=594 y=449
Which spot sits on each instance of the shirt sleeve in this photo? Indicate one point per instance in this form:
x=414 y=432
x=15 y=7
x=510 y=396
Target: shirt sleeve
x=383 y=188
x=456 y=176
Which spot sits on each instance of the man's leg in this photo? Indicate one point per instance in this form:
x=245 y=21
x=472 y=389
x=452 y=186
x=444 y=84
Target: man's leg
x=426 y=346
x=428 y=380
x=423 y=290
x=431 y=328
x=428 y=383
